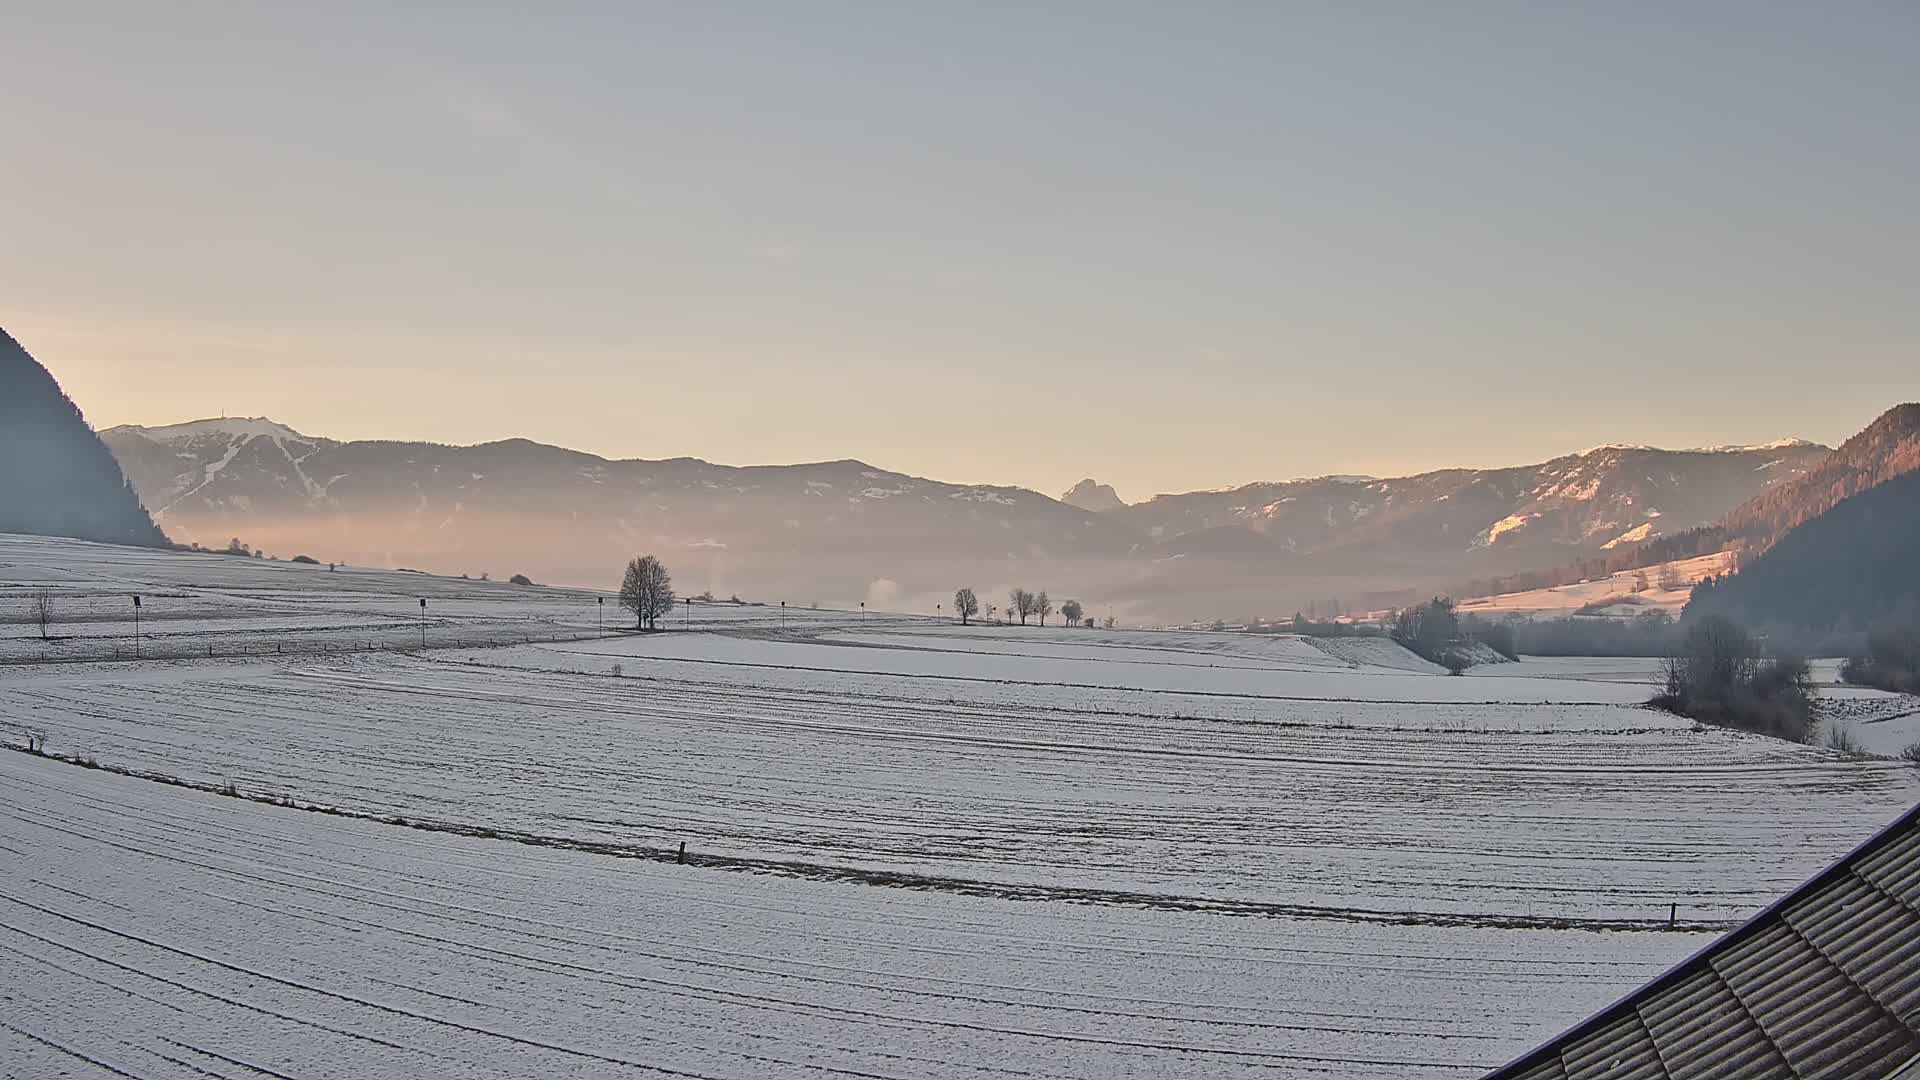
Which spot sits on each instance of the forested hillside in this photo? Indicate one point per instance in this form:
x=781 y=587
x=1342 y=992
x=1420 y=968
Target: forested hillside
x=1853 y=567
x=56 y=477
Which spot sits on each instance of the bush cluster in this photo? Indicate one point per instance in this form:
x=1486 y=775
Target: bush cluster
x=1718 y=677
x=1890 y=660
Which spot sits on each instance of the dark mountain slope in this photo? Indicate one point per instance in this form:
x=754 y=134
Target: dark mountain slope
x=56 y=477
x=1887 y=448
x=1847 y=569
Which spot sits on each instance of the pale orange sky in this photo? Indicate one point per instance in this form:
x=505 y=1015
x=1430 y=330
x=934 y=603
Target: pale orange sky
x=1166 y=247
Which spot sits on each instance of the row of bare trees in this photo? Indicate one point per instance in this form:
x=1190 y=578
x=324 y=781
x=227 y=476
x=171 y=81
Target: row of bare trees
x=1022 y=604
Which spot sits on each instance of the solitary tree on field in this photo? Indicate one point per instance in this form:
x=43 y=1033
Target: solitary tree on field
x=43 y=611
x=1072 y=611
x=647 y=591
x=1042 y=606
x=967 y=604
x=1020 y=602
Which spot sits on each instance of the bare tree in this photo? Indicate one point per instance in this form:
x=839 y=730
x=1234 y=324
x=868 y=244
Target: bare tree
x=1020 y=602
x=43 y=611
x=1072 y=612
x=1042 y=606
x=647 y=591
x=967 y=604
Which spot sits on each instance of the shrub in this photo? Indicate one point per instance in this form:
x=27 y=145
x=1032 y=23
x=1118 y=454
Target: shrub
x=519 y=579
x=1717 y=677
x=1838 y=736
x=1455 y=662
x=306 y=559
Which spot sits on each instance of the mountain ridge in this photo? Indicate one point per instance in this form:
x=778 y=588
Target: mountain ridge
x=839 y=527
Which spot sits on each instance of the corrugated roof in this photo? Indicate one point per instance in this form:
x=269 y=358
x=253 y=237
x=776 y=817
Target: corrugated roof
x=1824 y=983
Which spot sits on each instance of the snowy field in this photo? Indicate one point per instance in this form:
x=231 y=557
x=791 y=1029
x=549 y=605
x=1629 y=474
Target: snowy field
x=1665 y=587
x=915 y=849
x=198 y=605
x=150 y=931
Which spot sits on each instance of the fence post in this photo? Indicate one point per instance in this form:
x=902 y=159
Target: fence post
x=683 y=853
x=1673 y=915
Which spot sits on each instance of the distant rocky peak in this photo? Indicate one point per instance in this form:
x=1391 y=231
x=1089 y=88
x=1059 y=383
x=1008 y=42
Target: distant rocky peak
x=1092 y=497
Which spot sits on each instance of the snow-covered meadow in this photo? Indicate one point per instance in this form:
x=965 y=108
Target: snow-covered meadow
x=914 y=849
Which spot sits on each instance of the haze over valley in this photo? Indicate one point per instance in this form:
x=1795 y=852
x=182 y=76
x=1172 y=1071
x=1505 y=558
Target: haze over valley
x=851 y=531
x=959 y=541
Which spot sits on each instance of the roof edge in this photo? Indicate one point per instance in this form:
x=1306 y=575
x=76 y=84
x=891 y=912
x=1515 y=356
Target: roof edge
x=1546 y=1051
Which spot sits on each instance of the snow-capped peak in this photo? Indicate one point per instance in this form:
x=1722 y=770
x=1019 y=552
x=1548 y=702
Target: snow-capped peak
x=1729 y=448
x=1777 y=444
x=233 y=427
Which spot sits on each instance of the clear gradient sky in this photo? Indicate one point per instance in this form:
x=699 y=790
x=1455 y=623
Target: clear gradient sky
x=1167 y=245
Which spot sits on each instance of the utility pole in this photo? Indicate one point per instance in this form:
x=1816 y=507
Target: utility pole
x=602 y=607
x=783 y=614
x=687 y=623
x=136 y=626
x=423 y=622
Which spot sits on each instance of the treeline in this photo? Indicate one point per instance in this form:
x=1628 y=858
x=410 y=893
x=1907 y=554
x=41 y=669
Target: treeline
x=1023 y=604
x=1651 y=633
x=1890 y=657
